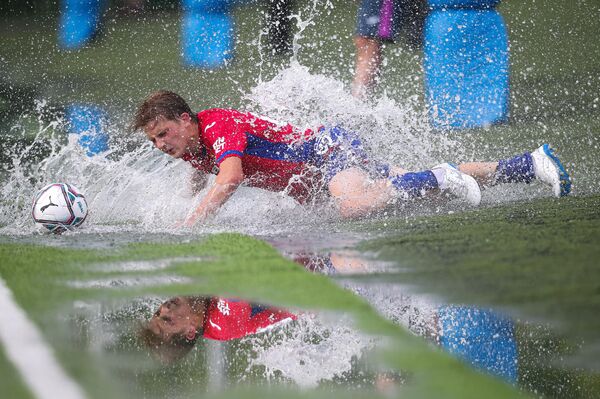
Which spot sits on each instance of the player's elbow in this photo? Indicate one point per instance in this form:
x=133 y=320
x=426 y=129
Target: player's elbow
x=231 y=179
x=231 y=173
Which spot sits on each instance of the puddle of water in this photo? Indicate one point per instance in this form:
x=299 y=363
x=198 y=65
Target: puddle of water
x=135 y=194
x=521 y=351
x=125 y=282
x=235 y=342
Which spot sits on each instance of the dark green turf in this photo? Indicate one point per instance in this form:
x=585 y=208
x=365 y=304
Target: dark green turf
x=553 y=51
x=551 y=243
x=235 y=266
x=540 y=262
x=10 y=380
x=538 y=259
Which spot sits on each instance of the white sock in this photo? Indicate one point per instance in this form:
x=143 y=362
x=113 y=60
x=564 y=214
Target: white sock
x=440 y=176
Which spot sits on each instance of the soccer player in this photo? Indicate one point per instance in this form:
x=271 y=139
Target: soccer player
x=380 y=22
x=178 y=323
x=313 y=164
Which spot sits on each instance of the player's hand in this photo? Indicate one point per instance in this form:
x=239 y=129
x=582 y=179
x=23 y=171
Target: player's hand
x=178 y=224
x=192 y=220
x=189 y=222
x=185 y=223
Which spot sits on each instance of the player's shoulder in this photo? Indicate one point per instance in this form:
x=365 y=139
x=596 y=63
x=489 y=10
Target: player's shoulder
x=225 y=306
x=220 y=118
x=219 y=113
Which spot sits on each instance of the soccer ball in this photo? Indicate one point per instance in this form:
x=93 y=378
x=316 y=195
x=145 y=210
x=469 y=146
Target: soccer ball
x=59 y=207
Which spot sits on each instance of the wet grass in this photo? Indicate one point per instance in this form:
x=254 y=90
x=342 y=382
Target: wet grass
x=136 y=55
x=236 y=266
x=12 y=384
x=537 y=259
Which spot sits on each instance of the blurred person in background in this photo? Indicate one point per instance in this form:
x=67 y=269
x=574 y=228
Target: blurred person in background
x=380 y=22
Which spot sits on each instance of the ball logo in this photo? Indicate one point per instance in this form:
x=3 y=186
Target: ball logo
x=43 y=209
x=68 y=212
x=323 y=144
x=219 y=144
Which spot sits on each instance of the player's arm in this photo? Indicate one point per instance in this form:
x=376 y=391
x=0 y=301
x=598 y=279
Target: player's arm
x=228 y=180
x=198 y=181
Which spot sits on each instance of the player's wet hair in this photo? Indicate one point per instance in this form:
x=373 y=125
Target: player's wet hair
x=162 y=103
x=167 y=351
x=174 y=347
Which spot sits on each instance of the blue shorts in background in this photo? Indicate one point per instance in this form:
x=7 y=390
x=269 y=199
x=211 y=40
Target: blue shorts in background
x=384 y=19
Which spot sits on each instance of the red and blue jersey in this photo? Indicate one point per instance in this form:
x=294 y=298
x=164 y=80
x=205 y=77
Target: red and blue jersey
x=231 y=319
x=272 y=154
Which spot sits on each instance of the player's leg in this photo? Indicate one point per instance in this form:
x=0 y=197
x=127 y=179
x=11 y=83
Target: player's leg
x=377 y=22
x=357 y=194
x=279 y=25
x=368 y=64
x=360 y=185
x=541 y=164
x=483 y=172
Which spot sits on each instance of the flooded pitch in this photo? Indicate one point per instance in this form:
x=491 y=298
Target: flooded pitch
x=423 y=299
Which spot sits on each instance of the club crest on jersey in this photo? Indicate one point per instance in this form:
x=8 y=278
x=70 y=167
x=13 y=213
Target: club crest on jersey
x=219 y=144
x=223 y=307
x=323 y=144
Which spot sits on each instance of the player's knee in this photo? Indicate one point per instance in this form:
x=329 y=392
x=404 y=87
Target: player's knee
x=346 y=183
x=347 y=188
x=349 y=210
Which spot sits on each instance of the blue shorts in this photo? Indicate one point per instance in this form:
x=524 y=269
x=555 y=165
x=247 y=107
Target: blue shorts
x=384 y=19
x=339 y=149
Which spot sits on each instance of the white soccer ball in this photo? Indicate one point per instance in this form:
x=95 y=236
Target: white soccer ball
x=59 y=207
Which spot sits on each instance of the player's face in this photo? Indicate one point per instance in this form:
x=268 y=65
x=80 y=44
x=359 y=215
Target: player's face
x=173 y=137
x=174 y=317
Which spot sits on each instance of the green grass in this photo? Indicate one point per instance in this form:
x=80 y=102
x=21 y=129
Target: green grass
x=236 y=266
x=553 y=53
x=552 y=242
x=538 y=259
x=12 y=384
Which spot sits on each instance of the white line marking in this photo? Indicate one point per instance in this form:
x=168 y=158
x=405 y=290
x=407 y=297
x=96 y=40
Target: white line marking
x=26 y=348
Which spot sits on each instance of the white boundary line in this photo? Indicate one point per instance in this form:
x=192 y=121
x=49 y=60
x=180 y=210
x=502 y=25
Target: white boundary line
x=26 y=348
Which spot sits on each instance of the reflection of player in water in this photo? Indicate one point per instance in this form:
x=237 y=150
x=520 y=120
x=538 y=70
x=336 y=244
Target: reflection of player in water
x=481 y=337
x=178 y=323
x=307 y=164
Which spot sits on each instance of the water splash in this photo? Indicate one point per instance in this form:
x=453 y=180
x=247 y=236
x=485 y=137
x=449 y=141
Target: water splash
x=397 y=133
x=135 y=187
x=313 y=350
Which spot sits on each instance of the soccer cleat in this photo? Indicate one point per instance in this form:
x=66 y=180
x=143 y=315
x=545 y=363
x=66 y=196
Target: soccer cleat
x=548 y=169
x=459 y=184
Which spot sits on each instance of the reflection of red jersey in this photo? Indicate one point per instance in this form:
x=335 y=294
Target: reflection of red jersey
x=231 y=319
x=272 y=154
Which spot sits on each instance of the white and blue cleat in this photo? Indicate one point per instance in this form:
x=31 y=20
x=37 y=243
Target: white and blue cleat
x=548 y=169
x=458 y=184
